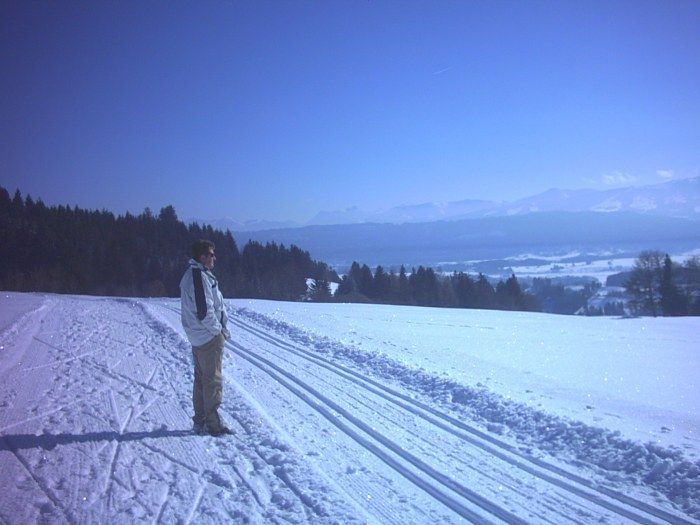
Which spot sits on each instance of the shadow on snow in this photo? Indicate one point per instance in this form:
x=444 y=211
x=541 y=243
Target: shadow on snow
x=50 y=441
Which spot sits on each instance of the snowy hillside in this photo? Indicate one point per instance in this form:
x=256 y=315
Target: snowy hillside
x=347 y=414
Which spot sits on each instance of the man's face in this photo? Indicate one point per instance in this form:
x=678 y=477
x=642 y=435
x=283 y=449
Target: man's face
x=208 y=259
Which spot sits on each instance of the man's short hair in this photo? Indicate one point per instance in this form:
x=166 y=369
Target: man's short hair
x=201 y=247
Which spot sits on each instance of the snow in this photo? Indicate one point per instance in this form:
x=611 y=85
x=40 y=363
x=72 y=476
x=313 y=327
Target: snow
x=312 y=282
x=561 y=364
x=598 y=266
x=346 y=414
x=608 y=205
x=642 y=204
x=599 y=270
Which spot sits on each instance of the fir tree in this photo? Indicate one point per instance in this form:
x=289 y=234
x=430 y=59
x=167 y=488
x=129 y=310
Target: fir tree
x=382 y=285
x=671 y=300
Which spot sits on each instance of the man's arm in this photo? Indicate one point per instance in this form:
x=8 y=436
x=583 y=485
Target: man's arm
x=204 y=301
x=224 y=324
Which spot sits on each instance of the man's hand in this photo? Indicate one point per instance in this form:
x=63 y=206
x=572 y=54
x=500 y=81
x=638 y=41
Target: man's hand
x=226 y=334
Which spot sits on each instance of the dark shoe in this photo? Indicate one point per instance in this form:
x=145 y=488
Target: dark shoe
x=199 y=428
x=219 y=431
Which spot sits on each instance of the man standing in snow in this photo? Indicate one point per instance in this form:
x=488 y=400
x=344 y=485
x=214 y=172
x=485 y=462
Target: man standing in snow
x=204 y=320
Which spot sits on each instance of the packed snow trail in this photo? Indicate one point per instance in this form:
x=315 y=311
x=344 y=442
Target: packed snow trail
x=605 y=457
x=630 y=508
x=502 y=450
x=95 y=427
x=595 y=498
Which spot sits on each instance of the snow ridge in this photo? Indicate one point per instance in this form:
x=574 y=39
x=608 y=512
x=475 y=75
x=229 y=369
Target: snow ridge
x=618 y=460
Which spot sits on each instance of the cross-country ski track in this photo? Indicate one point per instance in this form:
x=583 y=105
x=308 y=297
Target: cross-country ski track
x=95 y=426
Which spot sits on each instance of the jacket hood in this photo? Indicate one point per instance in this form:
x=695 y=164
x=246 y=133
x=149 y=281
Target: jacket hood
x=197 y=264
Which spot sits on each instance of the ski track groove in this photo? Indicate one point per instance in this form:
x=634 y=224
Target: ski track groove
x=50 y=412
x=349 y=374
x=511 y=485
x=113 y=405
x=446 y=499
x=60 y=361
x=195 y=504
x=139 y=402
x=118 y=376
x=170 y=458
x=155 y=358
x=163 y=505
x=247 y=483
x=122 y=424
x=466 y=464
x=198 y=472
x=18 y=327
x=45 y=489
x=107 y=491
x=272 y=468
x=146 y=407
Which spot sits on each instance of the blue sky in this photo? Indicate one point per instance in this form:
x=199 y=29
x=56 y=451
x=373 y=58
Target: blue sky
x=257 y=110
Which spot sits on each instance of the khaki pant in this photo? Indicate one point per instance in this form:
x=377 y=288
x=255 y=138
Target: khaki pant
x=208 y=382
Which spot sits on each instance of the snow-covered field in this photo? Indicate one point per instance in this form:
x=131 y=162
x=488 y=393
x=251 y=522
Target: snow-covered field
x=599 y=266
x=347 y=414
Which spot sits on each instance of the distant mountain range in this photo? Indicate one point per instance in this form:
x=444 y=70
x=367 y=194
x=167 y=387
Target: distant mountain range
x=451 y=243
x=619 y=221
x=680 y=198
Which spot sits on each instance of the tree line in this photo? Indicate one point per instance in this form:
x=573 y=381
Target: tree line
x=71 y=250
x=659 y=286
x=424 y=287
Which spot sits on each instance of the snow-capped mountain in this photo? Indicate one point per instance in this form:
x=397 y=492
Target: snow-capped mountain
x=680 y=198
x=426 y=212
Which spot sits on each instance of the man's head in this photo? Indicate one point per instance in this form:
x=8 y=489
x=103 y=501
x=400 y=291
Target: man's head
x=203 y=252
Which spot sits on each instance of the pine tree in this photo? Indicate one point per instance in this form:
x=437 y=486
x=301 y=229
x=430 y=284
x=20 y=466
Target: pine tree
x=382 y=285
x=484 y=292
x=465 y=293
x=672 y=301
x=403 y=288
x=365 y=282
x=509 y=295
x=321 y=291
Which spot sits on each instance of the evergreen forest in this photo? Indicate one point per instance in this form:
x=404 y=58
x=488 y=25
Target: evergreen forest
x=70 y=250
